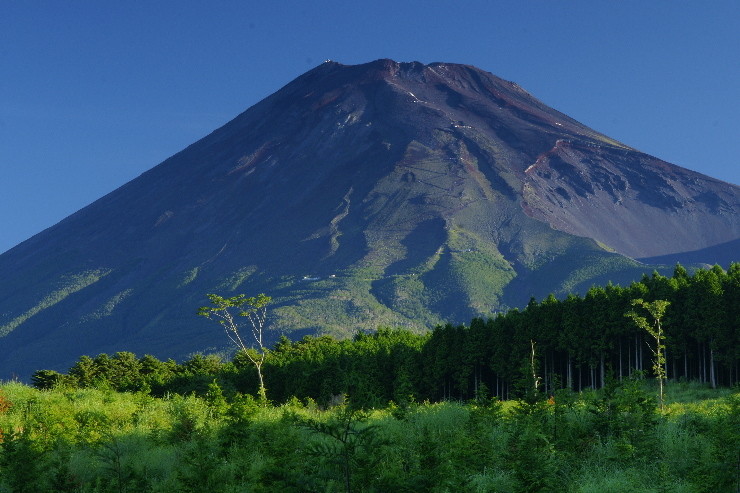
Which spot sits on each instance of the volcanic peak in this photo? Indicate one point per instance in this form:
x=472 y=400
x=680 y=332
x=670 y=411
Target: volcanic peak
x=412 y=194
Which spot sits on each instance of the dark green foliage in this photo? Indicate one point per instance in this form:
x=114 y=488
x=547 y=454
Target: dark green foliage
x=285 y=469
x=722 y=472
x=530 y=453
x=434 y=469
x=62 y=479
x=216 y=400
x=532 y=459
x=48 y=379
x=626 y=414
x=22 y=461
x=188 y=423
x=353 y=446
x=199 y=466
x=110 y=454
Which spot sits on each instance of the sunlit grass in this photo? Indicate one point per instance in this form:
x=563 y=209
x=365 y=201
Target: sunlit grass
x=164 y=444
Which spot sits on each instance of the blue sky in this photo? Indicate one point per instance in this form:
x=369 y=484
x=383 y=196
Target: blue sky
x=92 y=94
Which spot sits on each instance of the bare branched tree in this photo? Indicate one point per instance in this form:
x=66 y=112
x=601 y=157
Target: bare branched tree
x=225 y=310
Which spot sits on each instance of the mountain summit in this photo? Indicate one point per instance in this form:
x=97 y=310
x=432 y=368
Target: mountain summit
x=386 y=193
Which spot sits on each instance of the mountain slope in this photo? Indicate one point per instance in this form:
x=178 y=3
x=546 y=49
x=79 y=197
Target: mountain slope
x=384 y=193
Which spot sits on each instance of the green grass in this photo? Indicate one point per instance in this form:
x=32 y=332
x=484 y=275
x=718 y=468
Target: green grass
x=98 y=440
x=66 y=286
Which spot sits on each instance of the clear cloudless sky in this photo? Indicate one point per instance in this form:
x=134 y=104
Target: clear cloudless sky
x=93 y=93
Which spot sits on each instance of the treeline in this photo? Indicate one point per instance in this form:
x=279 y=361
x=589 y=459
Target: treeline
x=579 y=341
x=373 y=368
x=575 y=343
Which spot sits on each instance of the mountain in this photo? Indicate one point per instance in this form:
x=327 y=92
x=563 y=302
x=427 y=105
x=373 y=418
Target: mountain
x=386 y=193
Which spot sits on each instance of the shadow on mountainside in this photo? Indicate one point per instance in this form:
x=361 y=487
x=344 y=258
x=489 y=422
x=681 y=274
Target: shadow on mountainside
x=723 y=254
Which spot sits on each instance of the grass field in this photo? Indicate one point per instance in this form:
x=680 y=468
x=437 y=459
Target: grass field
x=610 y=440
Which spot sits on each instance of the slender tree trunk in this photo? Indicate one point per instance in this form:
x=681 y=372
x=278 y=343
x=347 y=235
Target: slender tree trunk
x=699 y=361
x=712 y=375
x=659 y=352
x=620 y=360
x=637 y=353
x=262 y=391
x=545 y=377
x=602 y=370
x=552 y=371
x=563 y=371
x=665 y=356
x=570 y=373
x=660 y=385
x=686 y=364
x=345 y=455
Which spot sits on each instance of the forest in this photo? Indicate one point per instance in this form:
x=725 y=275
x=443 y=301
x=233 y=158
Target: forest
x=558 y=396
x=576 y=342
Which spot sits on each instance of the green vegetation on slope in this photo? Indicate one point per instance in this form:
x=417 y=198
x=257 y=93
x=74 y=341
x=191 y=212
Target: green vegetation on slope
x=66 y=286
